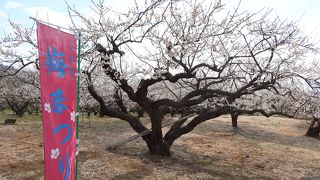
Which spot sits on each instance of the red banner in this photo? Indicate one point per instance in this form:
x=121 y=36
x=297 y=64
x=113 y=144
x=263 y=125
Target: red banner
x=58 y=83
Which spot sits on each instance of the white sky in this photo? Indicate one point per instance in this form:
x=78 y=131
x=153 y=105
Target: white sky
x=308 y=11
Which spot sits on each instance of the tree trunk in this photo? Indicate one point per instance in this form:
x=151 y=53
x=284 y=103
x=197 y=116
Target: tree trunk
x=30 y=112
x=157 y=146
x=88 y=114
x=314 y=128
x=234 y=118
x=37 y=110
x=20 y=113
x=101 y=114
x=17 y=108
x=23 y=109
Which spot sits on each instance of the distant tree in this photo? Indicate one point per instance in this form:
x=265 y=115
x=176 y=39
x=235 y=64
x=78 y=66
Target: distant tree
x=19 y=60
x=314 y=128
x=205 y=53
x=20 y=93
x=3 y=104
x=312 y=107
x=137 y=109
x=290 y=104
x=87 y=104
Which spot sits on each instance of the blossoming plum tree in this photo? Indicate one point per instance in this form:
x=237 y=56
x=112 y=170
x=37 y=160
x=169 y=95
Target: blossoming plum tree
x=181 y=53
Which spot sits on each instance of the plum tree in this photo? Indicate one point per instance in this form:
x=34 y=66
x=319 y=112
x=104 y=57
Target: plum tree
x=184 y=56
x=178 y=54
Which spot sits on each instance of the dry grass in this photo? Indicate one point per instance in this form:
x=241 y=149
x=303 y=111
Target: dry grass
x=262 y=148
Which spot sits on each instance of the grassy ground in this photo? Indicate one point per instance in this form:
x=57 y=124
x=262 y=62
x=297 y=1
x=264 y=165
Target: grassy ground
x=262 y=148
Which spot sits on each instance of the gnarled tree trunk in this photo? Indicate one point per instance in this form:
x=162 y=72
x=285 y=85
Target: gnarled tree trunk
x=157 y=145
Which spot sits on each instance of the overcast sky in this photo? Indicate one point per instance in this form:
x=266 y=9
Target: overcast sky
x=55 y=10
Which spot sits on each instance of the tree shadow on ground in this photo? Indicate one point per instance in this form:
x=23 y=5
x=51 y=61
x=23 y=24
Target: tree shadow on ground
x=187 y=161
x=182 y=161
x=258 y=133
x=263 y=135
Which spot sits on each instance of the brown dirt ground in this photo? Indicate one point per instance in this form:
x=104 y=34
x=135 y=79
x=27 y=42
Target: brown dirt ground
x=262 y=148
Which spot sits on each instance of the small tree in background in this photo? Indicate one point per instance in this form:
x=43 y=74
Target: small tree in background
x=20 y=92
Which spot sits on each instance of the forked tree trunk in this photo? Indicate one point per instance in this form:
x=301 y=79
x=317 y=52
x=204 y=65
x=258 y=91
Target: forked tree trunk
x=314 y=128
x=157 y=145
x=20 y=113
x=18 y=109
x=234 y=118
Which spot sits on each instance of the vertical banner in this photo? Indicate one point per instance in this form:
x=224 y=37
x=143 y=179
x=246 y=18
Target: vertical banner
x=58 y=84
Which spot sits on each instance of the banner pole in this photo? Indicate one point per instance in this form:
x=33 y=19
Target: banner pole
x=78 y=103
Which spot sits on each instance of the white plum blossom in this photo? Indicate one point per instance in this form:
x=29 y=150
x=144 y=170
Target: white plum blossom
x=47 y=107
x=55 y=153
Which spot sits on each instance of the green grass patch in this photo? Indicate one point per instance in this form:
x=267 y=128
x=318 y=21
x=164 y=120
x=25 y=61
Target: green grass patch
x=25 y=117
x=6 y=111
x=203 y=162
x=275 y=124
